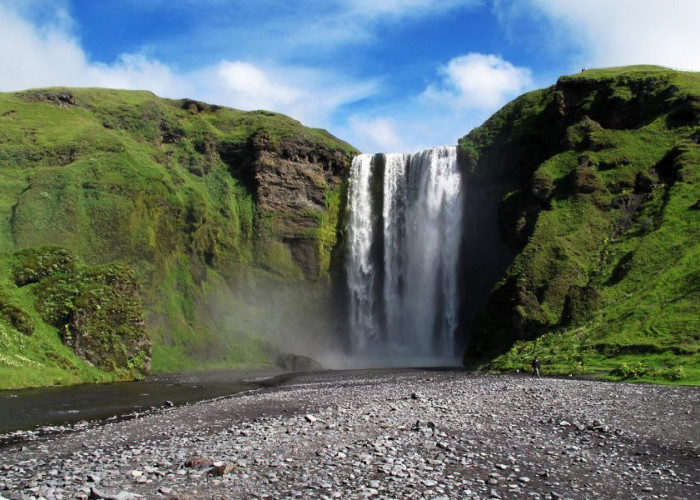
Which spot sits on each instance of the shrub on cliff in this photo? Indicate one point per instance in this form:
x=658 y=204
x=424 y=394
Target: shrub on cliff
x=99 y=314
x=16 y=316
x=33 y=264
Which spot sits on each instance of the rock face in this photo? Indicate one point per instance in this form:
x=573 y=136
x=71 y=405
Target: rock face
x=598 y=169
x=291 y=182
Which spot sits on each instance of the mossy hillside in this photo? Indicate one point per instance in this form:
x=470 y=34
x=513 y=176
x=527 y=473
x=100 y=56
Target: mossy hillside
x=603 y=226
x=85 y=323
x=173 y=189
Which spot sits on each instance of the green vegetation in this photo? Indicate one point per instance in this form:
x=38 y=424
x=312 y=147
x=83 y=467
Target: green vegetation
x=604 y=223
x=64 y=322
x=218 y=232
x=173 y=189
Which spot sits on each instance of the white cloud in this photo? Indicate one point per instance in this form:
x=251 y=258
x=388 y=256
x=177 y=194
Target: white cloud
x=470 y=88
x=376 y=134
x=479 y=81
x=375 y=9
x=305 y=94
x=619 y=32
x=418 y=127
x=40 y=56
x=243 y=85
x=49 y=55
x=315 y=27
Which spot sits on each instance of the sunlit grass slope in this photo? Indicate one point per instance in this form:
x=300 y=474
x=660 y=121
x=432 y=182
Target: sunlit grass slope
x=605 y=226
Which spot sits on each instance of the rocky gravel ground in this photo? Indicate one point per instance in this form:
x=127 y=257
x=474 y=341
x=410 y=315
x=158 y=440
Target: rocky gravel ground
x=385 y=434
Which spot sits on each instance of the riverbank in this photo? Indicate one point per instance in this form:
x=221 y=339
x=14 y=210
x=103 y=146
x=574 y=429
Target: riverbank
x=394 y=433
x=43 y=410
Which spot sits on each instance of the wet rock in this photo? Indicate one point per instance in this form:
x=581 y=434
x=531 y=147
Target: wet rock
x=297 y=362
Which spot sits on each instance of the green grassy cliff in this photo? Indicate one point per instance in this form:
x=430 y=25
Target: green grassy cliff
x=598 y=197
x=223 y=222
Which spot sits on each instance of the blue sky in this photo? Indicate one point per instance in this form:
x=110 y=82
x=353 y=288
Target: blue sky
x=385 y=75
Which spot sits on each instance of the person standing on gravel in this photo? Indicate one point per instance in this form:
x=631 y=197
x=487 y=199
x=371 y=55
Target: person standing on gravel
x=536 y=367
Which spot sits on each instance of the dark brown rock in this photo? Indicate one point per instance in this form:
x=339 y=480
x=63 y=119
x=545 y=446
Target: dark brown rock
x=290 y=180
x=60 y=98
x=198 y=462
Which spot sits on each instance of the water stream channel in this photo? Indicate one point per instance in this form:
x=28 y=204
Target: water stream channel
x=27 y=409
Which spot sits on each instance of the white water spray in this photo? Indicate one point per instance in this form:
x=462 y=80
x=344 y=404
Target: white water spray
x=403 y=254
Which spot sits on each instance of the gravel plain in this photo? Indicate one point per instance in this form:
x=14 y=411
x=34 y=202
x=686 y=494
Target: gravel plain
x=409 y=433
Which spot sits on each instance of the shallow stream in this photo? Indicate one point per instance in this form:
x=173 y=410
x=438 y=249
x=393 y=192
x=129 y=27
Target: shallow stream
x=29 y=408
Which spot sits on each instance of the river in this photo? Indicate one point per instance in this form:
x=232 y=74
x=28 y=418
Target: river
x=27 y=409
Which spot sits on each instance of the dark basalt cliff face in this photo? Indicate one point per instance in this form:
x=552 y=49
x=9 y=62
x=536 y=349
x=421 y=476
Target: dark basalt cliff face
x=590 y=184
x=228 y=220
x=291 y=181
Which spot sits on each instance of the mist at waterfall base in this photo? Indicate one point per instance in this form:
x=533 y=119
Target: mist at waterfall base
x=404 y=236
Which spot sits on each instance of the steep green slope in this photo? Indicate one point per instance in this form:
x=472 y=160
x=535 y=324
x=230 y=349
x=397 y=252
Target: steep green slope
x=227 y=218
x=600 y=204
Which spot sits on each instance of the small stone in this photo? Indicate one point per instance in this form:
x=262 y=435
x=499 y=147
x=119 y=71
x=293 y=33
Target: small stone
x=310 y=418
x=223 y=469
x=136 y=473
x=564 y=423
x=122 y=495
x=524 y=479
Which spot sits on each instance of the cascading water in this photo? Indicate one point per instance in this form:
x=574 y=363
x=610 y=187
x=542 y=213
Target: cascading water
x=404 y=234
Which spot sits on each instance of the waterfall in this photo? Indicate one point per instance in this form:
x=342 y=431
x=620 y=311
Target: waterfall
x=404 y=233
